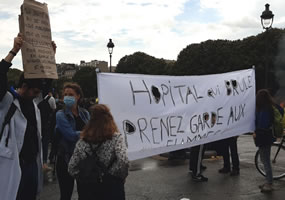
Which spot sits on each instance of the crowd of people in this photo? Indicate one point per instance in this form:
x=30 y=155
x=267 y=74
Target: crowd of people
x=27 y=130
x=76 y=134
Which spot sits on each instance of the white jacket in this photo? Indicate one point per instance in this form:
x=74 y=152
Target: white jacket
x=10 y=171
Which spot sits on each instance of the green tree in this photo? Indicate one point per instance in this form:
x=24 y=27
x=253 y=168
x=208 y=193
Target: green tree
x=141 y=63
x=220 y=56
x=58 y=85
x=87 y=79
x=13 y=76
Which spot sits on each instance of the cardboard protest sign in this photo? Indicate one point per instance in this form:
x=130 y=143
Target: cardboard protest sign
x=37 y=52
x=158 y=114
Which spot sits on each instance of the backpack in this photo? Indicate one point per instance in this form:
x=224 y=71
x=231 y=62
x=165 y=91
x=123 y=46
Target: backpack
x=6 y=121
x=11 y=111
x=277 y=123
x=91 y=170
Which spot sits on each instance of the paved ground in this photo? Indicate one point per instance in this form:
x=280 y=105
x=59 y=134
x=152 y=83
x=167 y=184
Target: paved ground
x=157 y=178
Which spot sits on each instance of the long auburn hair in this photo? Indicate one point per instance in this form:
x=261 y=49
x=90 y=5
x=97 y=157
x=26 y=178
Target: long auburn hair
x=101 y=126
x=264 y=100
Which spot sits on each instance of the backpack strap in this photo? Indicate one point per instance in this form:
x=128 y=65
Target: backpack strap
x=95 y=156
x=7 y=119
x=94 y=150
x=102 y=166
x=111 y=163
x=47 y=97
x=45 y=100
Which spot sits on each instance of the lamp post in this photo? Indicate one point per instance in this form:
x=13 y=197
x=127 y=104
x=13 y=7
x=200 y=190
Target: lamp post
x=110 y=46
x=267 y=18
x=266 y=22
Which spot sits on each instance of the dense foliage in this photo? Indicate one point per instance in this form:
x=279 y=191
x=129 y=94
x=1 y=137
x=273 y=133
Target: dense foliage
x=58 y=85
x=13 y=77
x=141 y=63
x=219 y=56
x=87 y=79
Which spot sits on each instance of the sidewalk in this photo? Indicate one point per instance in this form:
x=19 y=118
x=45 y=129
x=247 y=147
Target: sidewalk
x=157 y=178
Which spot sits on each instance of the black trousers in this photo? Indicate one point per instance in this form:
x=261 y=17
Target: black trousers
x=65 y=181
x=195 y=161
x=29 y=181
x=230 y=144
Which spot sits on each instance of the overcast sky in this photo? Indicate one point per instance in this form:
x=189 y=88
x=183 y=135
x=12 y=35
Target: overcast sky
x=161 y=28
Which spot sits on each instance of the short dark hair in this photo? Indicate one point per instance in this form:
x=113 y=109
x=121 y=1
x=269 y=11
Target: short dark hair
x=264 y=100
x=31 y=83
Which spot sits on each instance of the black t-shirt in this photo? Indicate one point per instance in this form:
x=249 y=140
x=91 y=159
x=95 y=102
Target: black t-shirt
x=79 y=123
x=30 y=147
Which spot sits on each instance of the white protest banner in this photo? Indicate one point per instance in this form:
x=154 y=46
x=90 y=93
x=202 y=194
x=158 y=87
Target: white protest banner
x=158 y=114
x=37 y=52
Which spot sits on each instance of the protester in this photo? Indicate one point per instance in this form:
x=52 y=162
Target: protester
x=69 y=123
x=226 y=145
x=20 y=143
x=47 y=107
x=195 y=163
x=102 y=134
x=54 y=137
x=263 y=135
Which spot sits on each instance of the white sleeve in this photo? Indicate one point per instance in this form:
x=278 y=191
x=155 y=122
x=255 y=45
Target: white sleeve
x=52 y=103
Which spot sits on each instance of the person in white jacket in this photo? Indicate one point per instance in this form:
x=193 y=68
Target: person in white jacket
x=20 y=141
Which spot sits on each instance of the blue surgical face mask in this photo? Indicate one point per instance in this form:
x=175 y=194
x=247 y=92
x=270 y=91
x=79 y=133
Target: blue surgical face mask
x=69 y=101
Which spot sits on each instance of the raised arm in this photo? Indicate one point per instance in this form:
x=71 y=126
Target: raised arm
x=5 y=64
x=18 y=42
x=53 y=46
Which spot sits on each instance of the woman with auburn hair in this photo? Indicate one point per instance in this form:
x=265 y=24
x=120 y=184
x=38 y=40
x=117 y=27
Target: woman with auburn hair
x=101 y=137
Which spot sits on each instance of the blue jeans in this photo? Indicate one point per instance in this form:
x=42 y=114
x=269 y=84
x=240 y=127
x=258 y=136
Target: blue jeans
x=265 y=159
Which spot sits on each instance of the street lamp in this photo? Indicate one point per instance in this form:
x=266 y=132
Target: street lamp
x=110 y=46
x=266 y=22
x=267 y=18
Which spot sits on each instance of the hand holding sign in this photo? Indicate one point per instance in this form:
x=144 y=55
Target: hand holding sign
x=53 y=46
x=18 y=42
